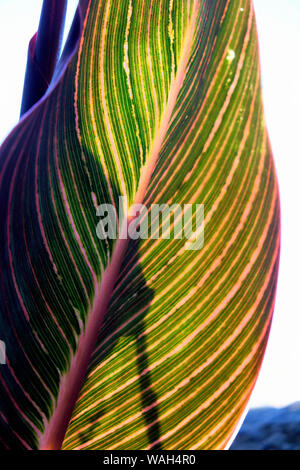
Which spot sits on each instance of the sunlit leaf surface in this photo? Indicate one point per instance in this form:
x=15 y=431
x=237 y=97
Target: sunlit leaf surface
x=161 y=103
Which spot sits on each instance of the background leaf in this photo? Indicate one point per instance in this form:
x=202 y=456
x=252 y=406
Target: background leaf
x=43 y=52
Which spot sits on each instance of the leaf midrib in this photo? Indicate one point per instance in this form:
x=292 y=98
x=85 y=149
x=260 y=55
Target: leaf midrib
x=72 y=382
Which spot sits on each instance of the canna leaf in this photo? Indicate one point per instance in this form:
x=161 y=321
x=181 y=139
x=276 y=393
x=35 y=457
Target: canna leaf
x=139 y=344
x=43 y=51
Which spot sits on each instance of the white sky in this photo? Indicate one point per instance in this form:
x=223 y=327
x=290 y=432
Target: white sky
x=279 y=35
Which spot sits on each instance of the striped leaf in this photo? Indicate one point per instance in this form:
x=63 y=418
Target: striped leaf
x=42 y=52
x=140 y=344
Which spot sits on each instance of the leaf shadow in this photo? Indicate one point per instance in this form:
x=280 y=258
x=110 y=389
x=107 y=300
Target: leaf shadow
x=133 y=291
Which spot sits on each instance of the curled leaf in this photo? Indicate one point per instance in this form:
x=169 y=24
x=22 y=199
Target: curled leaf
x=139 y=344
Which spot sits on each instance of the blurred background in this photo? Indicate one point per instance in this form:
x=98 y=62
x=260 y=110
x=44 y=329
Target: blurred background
x=278 y=25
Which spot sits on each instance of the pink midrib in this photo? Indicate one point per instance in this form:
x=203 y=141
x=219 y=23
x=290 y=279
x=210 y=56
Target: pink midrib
x=71 y=384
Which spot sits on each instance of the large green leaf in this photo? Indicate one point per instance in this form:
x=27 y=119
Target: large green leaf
x=142 y=344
